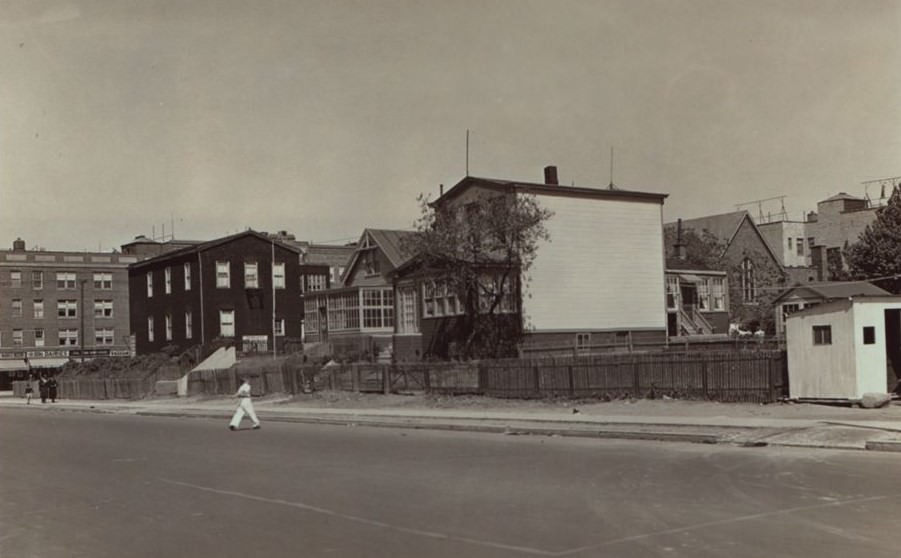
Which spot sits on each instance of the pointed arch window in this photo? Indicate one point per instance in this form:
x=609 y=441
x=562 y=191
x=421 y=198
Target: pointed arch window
x=748 y=281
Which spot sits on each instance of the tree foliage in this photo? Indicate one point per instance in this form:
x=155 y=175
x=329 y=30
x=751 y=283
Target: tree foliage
x=702 y=250
x=877 y=252
x=481 y=251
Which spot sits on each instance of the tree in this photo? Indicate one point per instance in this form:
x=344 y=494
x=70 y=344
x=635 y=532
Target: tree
x=877 y=253
x=702 y=251
x=480 y=252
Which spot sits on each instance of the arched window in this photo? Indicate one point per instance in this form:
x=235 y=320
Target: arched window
x=748 y=281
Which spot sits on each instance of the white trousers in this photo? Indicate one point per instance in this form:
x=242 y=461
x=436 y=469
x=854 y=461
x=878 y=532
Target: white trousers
x=245 y=406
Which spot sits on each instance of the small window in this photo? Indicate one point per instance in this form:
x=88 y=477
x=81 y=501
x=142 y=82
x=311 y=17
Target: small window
x=189 y=325
x=869 y=335
x=227 y=323
x=583 y=342
x=278 y=275
x=223 y=275
x=822 y=335
x=251 y=275
x=187 y=276
x=103 y=281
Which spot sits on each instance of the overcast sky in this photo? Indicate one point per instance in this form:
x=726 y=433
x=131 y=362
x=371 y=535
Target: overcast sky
x=322 y=118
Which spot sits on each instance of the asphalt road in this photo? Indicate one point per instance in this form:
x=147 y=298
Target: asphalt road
x=79 y=484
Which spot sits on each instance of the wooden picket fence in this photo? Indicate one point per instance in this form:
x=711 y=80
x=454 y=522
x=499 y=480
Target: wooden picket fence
x=759 y=376
x=93 y=388
x=747 y=376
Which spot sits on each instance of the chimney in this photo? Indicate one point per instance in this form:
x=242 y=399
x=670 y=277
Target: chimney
x=550 y=175
x=440 y=190
x=812 y=217
x=18 y=245
x=679 y=245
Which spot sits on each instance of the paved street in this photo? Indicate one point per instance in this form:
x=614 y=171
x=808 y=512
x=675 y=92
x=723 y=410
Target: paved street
x=78 y=484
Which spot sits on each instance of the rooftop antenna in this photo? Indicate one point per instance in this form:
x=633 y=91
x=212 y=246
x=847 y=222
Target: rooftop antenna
x=467 y=151
x=882 y=182
x=783 y=214
x=611 y=186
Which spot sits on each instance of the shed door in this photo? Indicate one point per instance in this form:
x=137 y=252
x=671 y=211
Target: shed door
x=893 y=350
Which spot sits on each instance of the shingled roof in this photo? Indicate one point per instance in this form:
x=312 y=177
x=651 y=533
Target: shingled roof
x=833 y=290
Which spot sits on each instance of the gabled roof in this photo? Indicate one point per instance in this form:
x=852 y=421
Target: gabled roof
x=515 y=186
x=833 y=290
x=390 y=242
x=204 y=246
x=724 y=227
x=326 y=254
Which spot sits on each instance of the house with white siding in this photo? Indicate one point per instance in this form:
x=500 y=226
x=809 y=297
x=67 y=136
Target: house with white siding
x=598 y=281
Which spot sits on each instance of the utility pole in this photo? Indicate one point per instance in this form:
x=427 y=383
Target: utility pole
x=81 y=333
x=272 y=281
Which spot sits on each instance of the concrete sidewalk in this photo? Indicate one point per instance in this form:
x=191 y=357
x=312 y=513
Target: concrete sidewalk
x=676 y=421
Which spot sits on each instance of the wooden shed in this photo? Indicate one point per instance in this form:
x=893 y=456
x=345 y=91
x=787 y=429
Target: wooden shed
x=845 y=348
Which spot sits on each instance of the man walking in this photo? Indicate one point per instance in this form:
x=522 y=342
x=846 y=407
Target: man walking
x=245 y=406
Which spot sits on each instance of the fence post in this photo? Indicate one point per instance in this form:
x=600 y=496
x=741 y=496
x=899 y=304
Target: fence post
x=636 y=378
x=572 y=381
x=294 y=379
x=705 y=384
x=427 y=379
x=536 y=376
x=771 y=375
x=386 y=378
x=355 y=378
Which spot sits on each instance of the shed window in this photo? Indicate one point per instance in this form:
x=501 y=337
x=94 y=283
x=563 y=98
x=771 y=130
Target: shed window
x=869 y=335
x=822 y=335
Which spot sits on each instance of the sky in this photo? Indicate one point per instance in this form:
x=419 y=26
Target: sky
x=126 y=117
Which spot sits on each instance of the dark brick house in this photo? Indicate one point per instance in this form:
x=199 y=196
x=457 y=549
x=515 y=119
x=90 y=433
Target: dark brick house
x=243 y=290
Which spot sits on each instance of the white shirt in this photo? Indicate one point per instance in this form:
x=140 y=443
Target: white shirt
x=244 y=390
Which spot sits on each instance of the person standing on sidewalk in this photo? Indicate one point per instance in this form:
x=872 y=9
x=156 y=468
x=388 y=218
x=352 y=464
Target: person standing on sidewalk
x=29 y=389
x=43 y=387
x=245 y=406
x=51 y=388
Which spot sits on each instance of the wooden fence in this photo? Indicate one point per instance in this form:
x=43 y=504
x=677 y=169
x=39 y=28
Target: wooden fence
x=721 y=376
x=750 y=376
x=92 y=388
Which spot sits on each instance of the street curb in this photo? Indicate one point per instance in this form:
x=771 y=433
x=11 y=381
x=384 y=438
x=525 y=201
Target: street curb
x=467 y=424
x=883 y=446
x=481 y=428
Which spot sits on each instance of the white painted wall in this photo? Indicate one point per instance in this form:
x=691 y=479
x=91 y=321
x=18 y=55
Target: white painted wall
x=821 y=371
x=871 y=359
x=601 y=269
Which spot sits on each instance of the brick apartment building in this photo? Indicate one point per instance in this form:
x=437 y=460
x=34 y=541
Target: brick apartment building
x=59 y=305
